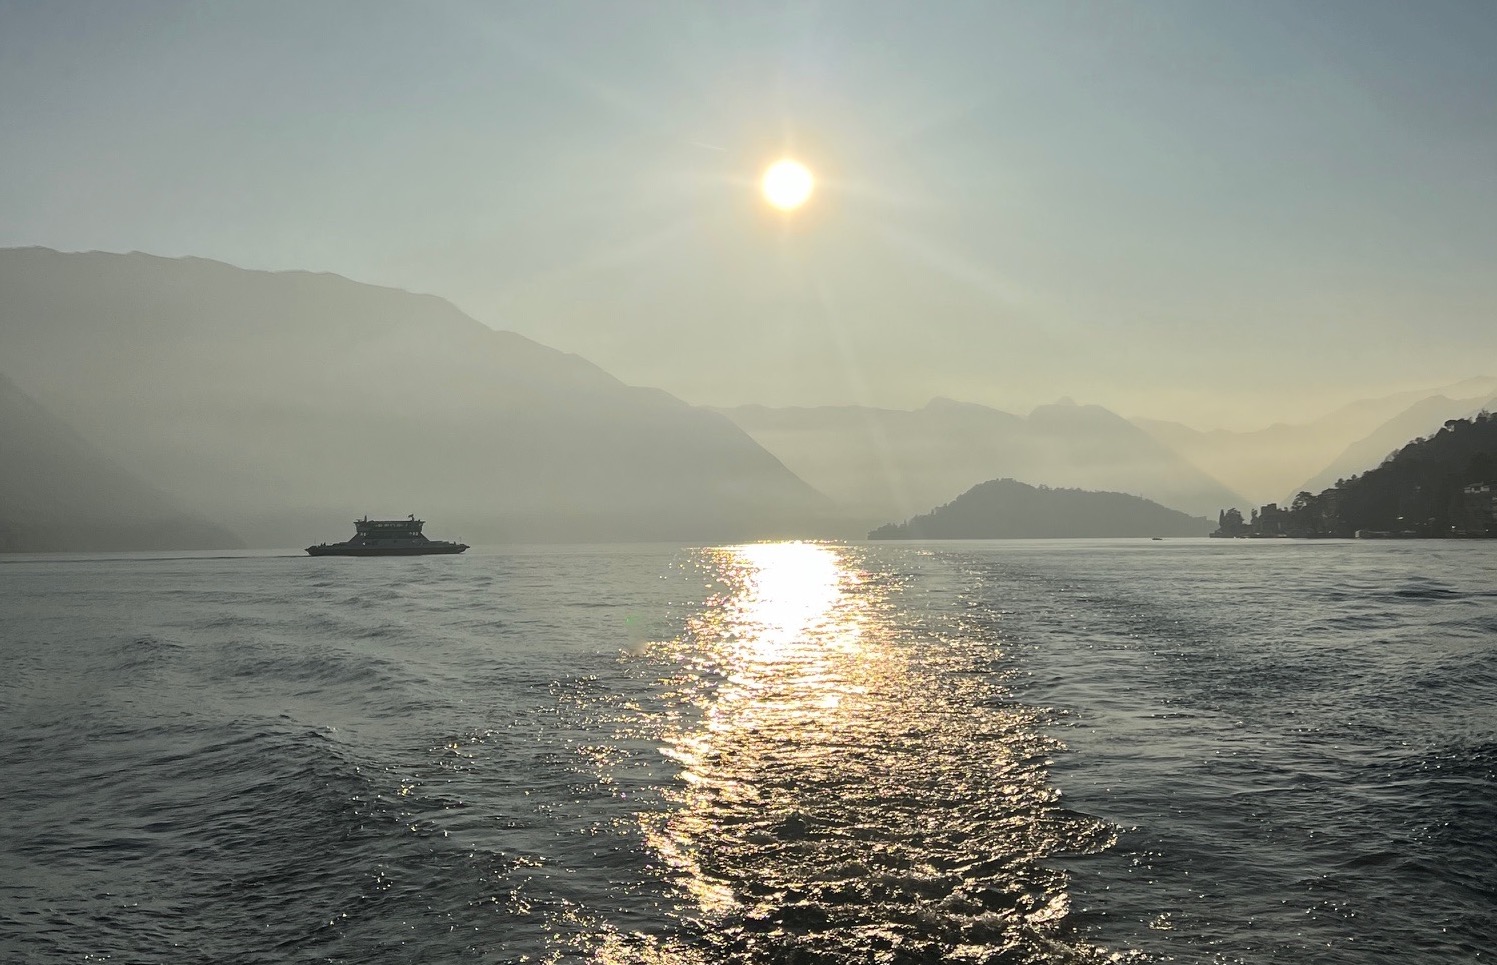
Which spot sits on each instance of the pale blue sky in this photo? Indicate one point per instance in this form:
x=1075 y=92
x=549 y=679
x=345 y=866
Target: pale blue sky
x=1222 y=212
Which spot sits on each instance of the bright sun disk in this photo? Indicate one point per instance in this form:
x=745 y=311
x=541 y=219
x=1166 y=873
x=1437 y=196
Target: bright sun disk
x=787 y=184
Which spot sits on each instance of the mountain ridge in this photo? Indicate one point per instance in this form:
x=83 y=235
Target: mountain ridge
x=286 y=403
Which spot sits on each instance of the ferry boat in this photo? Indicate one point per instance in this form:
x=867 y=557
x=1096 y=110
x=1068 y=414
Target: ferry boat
x=387 y=537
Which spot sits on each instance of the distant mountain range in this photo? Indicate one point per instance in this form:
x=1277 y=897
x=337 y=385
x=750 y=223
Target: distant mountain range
x=191 y=403
x=886 y=463
x=283 y=405
x=57 y=492
x=1007 y=509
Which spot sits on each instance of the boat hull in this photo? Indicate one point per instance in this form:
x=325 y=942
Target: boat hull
x=433 y=548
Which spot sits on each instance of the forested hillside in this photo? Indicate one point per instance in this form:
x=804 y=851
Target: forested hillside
x=1434 y=487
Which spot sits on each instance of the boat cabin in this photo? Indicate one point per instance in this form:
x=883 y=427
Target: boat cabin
x=389 y=528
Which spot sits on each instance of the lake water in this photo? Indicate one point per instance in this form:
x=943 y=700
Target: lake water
x=1022 y=752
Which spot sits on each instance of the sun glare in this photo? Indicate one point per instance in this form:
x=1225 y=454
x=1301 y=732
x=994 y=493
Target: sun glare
x=787 y=184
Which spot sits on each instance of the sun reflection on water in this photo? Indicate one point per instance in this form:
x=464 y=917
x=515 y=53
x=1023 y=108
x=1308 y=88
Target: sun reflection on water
x=851 y=781
x=785 y=592
x=780 y=640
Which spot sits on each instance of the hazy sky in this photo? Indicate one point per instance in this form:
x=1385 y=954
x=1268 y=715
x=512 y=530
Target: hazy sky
x=1219 y=212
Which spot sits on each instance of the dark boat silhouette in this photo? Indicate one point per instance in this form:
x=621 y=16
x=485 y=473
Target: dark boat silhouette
x=387 y=537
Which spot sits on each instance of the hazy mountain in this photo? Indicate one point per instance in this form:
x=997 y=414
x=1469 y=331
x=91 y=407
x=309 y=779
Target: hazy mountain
x=59 y=493
x=288 y=403
x=1266 y=463
x=1423 y=418
x=890 y=463
x=1006 y=509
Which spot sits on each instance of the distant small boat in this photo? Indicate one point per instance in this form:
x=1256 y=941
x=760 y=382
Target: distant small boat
x=387 y=537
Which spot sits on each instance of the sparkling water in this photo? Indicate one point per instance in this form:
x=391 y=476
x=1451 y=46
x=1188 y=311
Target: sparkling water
x=1015 y=752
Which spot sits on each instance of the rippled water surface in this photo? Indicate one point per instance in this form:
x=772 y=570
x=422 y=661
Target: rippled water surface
x=1188 y=751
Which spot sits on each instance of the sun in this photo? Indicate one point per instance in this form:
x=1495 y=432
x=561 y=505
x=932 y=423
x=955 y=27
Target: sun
x=787 y=184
